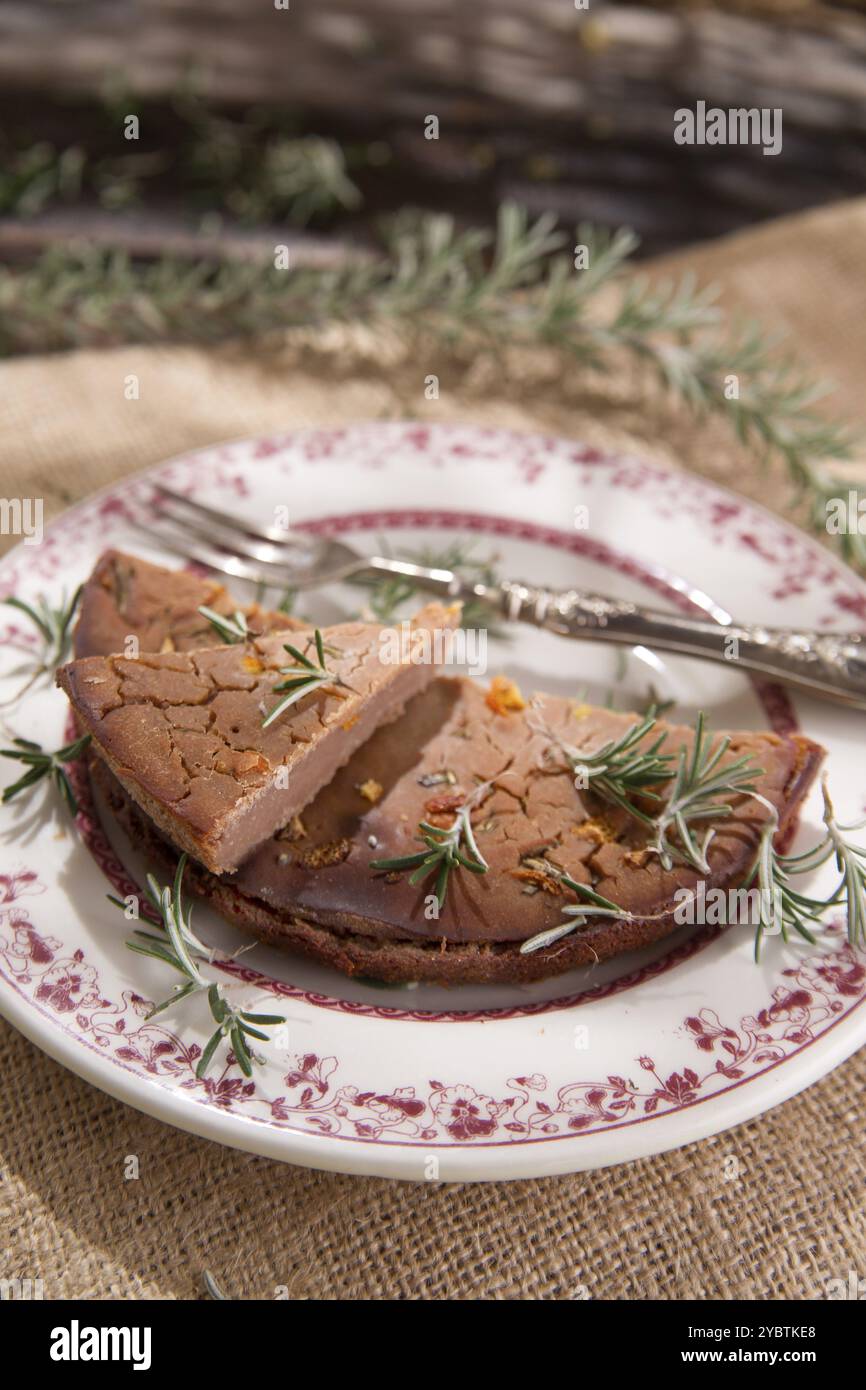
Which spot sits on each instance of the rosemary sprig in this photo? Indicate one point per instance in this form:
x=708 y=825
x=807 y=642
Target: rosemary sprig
x=850 y=860
x=592 y=905
x=252 y=169
x=303 y=678
x=41 y=765
x=260 y=176
x=388 y=594
x=174 y=943
x=286 y=601
x=772 y=414
x=782 y=907
x=446 y=849
x=618 y=771
x=467 y=289
x=53 y=624
x=695 y=795
x=232 y=629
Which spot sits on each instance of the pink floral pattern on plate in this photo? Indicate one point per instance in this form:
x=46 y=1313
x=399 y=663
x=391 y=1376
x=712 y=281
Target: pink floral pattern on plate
x=319 y=1096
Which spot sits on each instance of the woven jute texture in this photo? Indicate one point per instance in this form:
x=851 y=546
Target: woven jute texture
x=780 y=1221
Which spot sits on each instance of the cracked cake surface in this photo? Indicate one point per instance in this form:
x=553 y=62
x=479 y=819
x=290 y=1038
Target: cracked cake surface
x=530 y=820
x=183 y=731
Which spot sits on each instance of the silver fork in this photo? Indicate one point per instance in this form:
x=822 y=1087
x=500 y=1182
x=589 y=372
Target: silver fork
x=829 y=664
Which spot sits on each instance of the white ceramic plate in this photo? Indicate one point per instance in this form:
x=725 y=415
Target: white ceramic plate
x=638 y=1056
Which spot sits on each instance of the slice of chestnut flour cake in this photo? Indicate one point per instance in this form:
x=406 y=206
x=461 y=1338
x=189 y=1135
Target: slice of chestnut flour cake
x=223 y=746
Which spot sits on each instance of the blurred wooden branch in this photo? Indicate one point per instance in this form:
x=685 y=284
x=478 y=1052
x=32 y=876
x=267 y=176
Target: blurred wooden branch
x=149 y=235
x=558 y=108
x=471 y=64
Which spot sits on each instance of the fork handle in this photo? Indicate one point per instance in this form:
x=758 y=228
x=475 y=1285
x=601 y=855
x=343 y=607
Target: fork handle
x=832 y=664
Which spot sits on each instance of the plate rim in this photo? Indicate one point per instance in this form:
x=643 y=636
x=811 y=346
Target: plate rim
x=464 y=1162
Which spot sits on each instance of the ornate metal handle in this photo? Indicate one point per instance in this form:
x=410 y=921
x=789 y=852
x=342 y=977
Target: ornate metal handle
x=832 y=664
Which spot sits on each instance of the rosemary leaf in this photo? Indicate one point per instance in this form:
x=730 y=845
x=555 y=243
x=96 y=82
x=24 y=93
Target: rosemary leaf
x=208 y=1052
x=577 y=916
x=231 y=629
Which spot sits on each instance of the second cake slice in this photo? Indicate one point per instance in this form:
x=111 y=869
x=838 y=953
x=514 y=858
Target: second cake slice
x=196 y=740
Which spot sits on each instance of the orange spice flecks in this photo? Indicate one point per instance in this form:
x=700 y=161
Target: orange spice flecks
x=637 y=858
x=371 y=790
x=598 y=830
x=539 y=878
x=504 y=696
x=444 y=802
x=350 y=723
x=252 y=664
x=323 y=856
x=295 y=830
x=244 y=764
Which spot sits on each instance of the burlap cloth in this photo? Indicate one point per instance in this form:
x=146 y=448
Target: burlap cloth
x=668 y=1227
